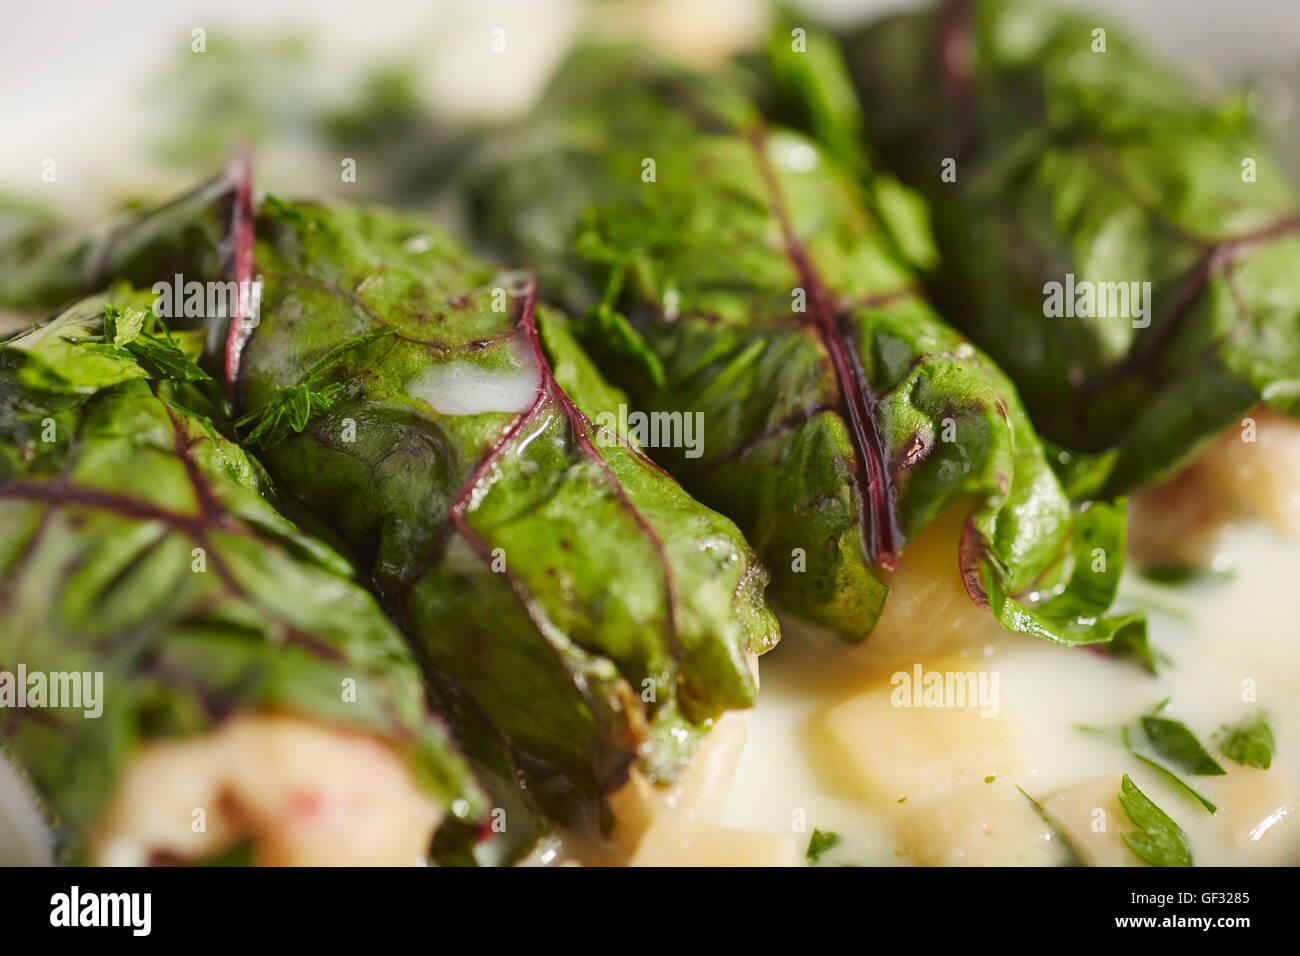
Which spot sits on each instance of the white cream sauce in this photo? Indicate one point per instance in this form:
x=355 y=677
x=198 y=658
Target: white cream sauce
x=1217 y=634
x=465 y=387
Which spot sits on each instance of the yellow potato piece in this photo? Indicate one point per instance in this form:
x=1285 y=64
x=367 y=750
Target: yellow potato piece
x=977 y=825
x=891 y=751
x=671 y=841
x=698 y=795
x=1257 y=809
x=1091 y=818
x=928 y=611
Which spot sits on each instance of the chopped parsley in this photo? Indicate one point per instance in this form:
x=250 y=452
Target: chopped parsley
x=1073 y=857
x=1250 y=743
x=1169 y=747
x=292 y=407
x=1159 y=841
x=821 y=842
x=139 y=331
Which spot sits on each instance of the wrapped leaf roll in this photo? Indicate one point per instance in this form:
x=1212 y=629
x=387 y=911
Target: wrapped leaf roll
x=555 y=582
x=569 y=587
x=733 y=271
x=1120 y=243
x=186 y=676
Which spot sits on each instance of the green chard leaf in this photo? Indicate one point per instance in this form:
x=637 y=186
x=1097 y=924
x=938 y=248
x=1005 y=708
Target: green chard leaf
x=1048 y=162
x=421 y=404
x=102 y=519
x=292 y=407
x=1250 y=743
x=70 y=356
x=99 y=342
x=840 y=414
x=603 y=618
x=52 y=264
x=1160 y=841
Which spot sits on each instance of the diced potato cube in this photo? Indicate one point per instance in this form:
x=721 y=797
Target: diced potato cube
x=928 y=611
x=1091 y=818
x=671 y=841
x=892 y=748
x=1257 y=810
x=976 y=825
x=698 y=795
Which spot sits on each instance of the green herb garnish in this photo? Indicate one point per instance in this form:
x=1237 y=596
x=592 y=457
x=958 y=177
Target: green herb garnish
x=292 y=407
x=139 y=331
x=1160 y=842
x=1177 y=745
x=1250 y=743
x=821 y=842
x=1073 y=857
x=1168 y=746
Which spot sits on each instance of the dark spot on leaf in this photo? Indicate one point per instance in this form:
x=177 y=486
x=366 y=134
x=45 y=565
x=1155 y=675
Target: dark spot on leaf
x=913 y=451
